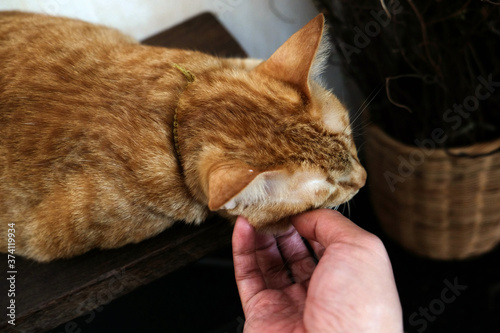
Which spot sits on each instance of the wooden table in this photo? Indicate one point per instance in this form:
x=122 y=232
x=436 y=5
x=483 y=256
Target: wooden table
x=48 y=295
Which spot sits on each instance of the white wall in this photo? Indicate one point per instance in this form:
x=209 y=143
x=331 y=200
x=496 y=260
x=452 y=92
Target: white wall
x=260 y=26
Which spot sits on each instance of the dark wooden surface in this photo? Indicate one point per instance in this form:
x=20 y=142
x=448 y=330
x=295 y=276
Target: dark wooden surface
x=50 y=294
x=202 y=33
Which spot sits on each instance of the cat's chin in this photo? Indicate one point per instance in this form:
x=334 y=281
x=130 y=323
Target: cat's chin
x=274 y=228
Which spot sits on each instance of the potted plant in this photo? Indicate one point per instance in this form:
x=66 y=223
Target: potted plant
x=433 y=143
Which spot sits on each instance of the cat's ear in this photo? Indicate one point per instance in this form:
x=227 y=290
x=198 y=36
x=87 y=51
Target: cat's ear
x=234 y=184
x=225 y=181
x=296 y=59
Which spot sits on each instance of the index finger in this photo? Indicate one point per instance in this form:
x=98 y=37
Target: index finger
x=249 y=277
x=327 y=226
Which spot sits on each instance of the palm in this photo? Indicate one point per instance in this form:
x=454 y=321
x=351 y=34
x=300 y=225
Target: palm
x=271 y=301
x=277 y=310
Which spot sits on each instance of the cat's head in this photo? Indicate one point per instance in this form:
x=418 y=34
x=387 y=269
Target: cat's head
x=269 y=142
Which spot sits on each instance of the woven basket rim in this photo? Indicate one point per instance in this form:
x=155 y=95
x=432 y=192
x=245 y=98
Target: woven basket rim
x=479 y=149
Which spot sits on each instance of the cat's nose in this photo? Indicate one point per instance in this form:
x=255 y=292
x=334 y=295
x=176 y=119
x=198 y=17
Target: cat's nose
x=359 y=175
x=355 y=177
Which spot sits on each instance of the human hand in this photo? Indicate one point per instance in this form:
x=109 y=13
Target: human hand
x=351 y=289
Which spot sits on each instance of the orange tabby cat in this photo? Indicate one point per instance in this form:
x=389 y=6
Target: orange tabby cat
x=88 y=154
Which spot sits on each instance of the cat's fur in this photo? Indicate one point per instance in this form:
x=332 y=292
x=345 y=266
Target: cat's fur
x=86 y=148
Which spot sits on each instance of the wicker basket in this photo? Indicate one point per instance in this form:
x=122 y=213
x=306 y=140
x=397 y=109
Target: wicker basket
x=436 y=203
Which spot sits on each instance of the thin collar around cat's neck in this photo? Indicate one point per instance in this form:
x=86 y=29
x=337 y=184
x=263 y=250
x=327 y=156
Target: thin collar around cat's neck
x=190 y=78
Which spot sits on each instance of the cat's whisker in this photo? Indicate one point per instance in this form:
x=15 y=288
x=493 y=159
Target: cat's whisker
x=365 y=104
x=360 y=126
x=360 y=146
x=359 y=138
x=345 y=205
x=343 y=208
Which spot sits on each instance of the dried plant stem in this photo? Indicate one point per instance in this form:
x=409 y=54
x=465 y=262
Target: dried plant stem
x=455 y=14
x=384 y=7
x=388 y=92
x=491 y=2
x=425 y=39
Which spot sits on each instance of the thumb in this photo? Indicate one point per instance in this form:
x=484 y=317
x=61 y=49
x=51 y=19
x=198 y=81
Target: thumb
x=327 y=226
